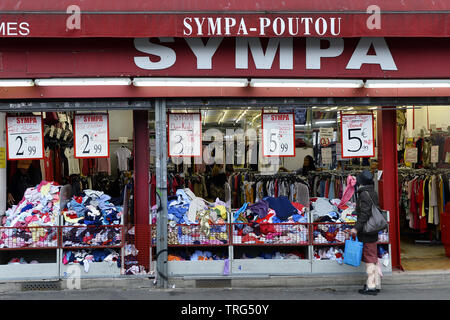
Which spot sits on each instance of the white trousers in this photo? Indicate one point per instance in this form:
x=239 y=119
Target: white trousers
x=373 y=276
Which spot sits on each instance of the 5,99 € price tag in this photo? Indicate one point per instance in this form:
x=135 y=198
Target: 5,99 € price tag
x=24 y=138
x=278 y=134
x=357 y=136
x=91 y=134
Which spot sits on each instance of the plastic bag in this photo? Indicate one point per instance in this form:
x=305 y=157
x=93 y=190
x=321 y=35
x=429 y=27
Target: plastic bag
x=353 y=252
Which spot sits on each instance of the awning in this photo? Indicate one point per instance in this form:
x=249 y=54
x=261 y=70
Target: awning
x=231 y=18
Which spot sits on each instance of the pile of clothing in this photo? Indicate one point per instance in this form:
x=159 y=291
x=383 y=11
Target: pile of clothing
x=38 y=209
x=325 y=210
x=85 y=258
x=271 y=221
x=275 y=255
x=207 y=219
x=94 y=210
x=329 y=253
x=383 y=256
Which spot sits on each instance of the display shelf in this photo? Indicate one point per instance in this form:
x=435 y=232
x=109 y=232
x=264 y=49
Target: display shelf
x=270 y=267
x=92 y=236
x=330 y=233
x=36 y=237
x=196 y=235
x=47 y=268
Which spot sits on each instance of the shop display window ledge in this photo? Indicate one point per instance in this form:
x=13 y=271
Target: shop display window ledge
x=32 y=244
x=88 y=238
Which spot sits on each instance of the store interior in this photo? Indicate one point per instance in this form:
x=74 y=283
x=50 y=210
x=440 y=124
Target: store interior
x=232 y=202
x=426 y=129
x=81 y=198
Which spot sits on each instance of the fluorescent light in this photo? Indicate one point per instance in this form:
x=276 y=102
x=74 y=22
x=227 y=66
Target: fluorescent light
x=223 y=116
x=190 y=82
x=408 y=83
x=83 y=82
x=16 y=83
x=306 y=83
x=325 y=122
x=241 y=115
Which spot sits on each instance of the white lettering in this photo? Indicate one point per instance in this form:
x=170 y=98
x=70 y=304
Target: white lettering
x=263 y=24
x=314 y=53
x=187 y=26
x=243 y=27
x=214 y=28
x=229 y=23
x=199 y=26
x=290 y=26
x=204 y=53
x=24 y=28
x=308 y=21
x=382 y=56
x=167 y=55
x=282 y=26
x=333 y=26
x=12 y=28
x=324 y=26
x=264 y=60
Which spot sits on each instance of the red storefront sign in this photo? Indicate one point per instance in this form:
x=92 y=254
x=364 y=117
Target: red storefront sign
x=196 y=18
x=228 y=57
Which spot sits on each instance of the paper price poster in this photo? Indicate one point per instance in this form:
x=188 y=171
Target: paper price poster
x=91 y=134
x=185 y=135
x=357 y=136
x=24 y=138
x=278 y=134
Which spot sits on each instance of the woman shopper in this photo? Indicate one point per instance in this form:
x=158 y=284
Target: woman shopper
x=367 y=196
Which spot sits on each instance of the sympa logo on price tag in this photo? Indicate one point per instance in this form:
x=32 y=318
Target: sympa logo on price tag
x=91 y=133
x=24 y=138
x=357 y=135
x=185 y=135
x=278 y=134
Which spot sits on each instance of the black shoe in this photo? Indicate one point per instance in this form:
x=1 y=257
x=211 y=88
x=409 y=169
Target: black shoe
x=365 y=288
x=372 y=292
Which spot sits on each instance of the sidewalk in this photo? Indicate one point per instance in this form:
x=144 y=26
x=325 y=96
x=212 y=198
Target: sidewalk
x=396 y=278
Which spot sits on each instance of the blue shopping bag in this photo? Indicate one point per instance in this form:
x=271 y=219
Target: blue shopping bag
x=353 y=252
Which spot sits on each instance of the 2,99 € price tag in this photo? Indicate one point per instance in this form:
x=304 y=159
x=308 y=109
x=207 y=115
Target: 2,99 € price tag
x=357 y=136
x=278 y=134
x=185 y=135
x=91 y=134
x=24 y=138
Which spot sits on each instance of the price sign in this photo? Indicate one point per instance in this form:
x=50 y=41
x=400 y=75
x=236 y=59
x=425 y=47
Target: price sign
x=278 y=134
x=185 y=135
x=326 y=136
x=411 y=155
x=91 y=134
x=24 y=138
x=357 y=136
x=327 y=157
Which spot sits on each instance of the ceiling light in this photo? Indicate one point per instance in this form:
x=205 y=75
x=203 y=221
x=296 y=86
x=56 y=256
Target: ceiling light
x=83 y=82
x=223 y=116
x=407 y=83
x=16 y=83
x=241 y=115
x=306 y=83
x=190 y=82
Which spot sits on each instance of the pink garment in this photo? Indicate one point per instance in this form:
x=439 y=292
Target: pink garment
x=349 y=191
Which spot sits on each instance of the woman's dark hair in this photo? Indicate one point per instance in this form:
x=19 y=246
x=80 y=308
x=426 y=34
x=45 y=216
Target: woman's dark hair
x=311 y=166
